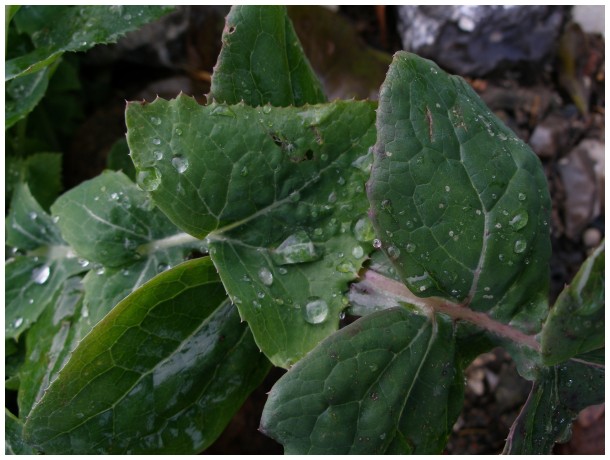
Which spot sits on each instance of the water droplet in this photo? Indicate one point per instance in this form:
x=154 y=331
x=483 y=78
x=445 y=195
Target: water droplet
x=267 y=109
x=522 y=196
x=332 y=197
x=155 y=120
x=520 y=246
x=156 y=141
x=447 y=188
x=410 y=247
x=393 y=252
x=519 y=220
x=222 y=111
x=501 y=257
x=162 y=267
x=178 y=131
x=376 y=243
x=296 y=249
x=388 y=154
x=419 y=282
x=180 y=163
x=386 y=205
x=282 y=271
x=149 y=179
x=345 y=267
x=358 y=252
x=40 y=275
x=18 y=322
x=83 y=262
x=363 y=230
x=315 y=311
x=158 y=155
x=324 y=157
x=265 y=276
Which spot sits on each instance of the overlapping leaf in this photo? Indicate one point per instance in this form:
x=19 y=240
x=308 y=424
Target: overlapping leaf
x=387 y=383
x=58 y=29
x=262 y=62
x=575 y=325
x=459 y=203
x=163 y=372
x=279 y=194
x=555 y=400
x=33 y=280
x=14 y=443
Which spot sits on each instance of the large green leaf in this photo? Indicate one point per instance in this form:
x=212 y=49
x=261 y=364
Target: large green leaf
x=279 y=193
x=121 y=237
x=555 y=400
x=57 y=29
x=42 y=173
x=163 y=372
x=34 y=279
x=262 y=62
x=458 y=202
x=387 y=383
x=576 y=323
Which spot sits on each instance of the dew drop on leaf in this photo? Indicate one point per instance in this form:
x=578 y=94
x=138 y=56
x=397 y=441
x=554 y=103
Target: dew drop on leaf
x=316 y=311
x=520 y=246
x=393 y=252
x=357 y=252
x=519 y=220
x=363 y=230
x=155 y=120
x=149 y=179
x=40 y=275
x=156 y=141
x=295 y=249
x=158 y=155
x=410 y=247
x=180 y=163
x=18 y=322
x=376 y=243
x=265 y=276
x=522 y=196
x=345 y=267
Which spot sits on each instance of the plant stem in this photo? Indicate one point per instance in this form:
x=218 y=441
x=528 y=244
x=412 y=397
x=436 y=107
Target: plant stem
x=377 y=282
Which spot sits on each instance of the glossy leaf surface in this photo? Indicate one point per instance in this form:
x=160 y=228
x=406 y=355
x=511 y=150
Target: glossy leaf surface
x=57 y=29
x=262 y=62
x=13 y=436
x=555 y=400
x=458 y=202
x=163 y=372
x=279 y=194
x=33 y=280
x=386 y=383
x=575 y=325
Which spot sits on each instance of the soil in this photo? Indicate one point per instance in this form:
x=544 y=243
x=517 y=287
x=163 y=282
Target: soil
x=560 y=113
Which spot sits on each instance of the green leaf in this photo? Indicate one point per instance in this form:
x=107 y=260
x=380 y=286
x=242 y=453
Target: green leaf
x=162 y=373
x=14 y=443
x=386 y=383
x=110 y=221
x=576 y=323
x=119 y=160
x=48 y=344
x=27 y=225
x=24 y=93
x=33 y=280
x=279 y=193
x=262 y=62
x=57 y=29
x=555 y=400
x=459 y=204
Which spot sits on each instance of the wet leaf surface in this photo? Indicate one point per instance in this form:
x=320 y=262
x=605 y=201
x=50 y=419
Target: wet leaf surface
x=174 y=393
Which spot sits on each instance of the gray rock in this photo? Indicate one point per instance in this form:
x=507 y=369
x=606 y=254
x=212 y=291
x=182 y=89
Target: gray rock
x=476 y=40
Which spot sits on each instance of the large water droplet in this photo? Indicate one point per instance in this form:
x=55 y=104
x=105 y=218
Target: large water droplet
x=149 y=179
x=519 y=220
x=393 y=252
x=357 y=252
x=180 y=163
x=156 y=141
x=18 y=322
x=346 y=267
x=222 y=111
x=296 y=249
x=315 y=311
x=265 y=276
x=363 y=230
x=520 y=246
x=40 y=275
